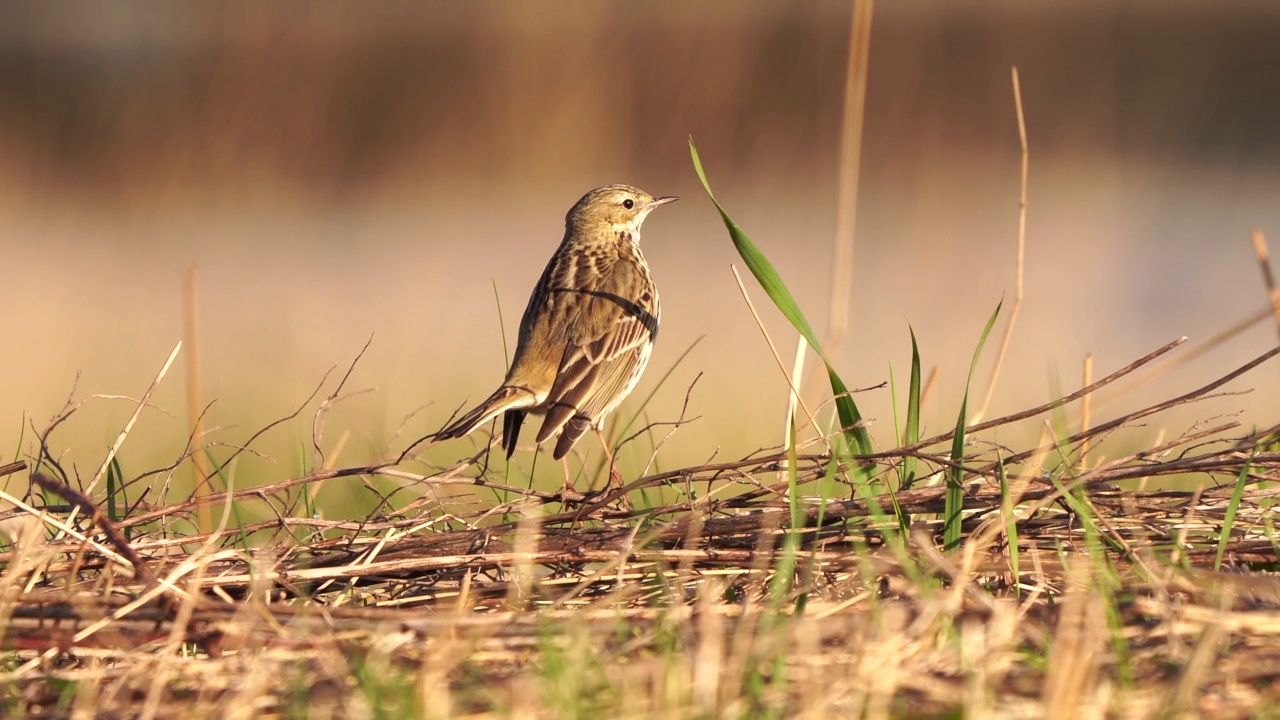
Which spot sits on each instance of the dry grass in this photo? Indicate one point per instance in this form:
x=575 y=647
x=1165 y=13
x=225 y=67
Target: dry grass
x=1085 y=586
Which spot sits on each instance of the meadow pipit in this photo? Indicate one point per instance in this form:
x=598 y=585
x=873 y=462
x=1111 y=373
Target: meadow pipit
x=587 y=332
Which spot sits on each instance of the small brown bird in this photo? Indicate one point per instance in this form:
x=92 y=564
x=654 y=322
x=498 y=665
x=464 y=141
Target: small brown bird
x=587 y=332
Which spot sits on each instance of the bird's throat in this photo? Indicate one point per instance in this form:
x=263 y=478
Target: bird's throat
x=626 y=237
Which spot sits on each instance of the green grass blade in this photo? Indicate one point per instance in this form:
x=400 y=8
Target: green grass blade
x=953 y=504
x=115 y=484
x=506 y=364
x=1106 y=581
x=793 y=480
x=220 y=471
x=115 y=479
x=904 y=519
x=1229 y=519
x=1010 y=525
x=811 y=565
x=1269 y=529
x=771 y=282
x=911 y=433
x=502 y=326
x=784 y=575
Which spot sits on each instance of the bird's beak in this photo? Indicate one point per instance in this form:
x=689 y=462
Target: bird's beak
x=662 y=201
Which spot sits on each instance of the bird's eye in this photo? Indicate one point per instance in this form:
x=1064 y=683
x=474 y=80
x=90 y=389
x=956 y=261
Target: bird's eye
x=628 y=203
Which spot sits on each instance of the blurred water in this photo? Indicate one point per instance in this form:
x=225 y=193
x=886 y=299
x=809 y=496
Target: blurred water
x=338 y=173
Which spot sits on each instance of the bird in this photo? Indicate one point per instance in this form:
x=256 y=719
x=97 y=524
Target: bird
x=588 y=330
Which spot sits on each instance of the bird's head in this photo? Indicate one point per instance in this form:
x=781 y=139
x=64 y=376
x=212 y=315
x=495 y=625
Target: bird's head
x=620 y=208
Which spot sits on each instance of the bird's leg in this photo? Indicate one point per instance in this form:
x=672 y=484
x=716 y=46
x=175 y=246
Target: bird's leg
x=568 y=479
x=614 y=475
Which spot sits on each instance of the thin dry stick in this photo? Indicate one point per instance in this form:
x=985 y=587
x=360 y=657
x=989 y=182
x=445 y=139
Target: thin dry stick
x=195 y=416
x=1023 y=415
x=169 y=583
x=772 y=348
x=64 y=528
x=329 y=463
x=1159 y=370
x=1022 y=251
x=1151 y=410
x=317 y=423
x=115 y=447
x=1264 y=260
x=114 y=536
x=1086 y=406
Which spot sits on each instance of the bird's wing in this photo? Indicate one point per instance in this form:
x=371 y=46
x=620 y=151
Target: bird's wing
x=612 y=380
x=608 y=327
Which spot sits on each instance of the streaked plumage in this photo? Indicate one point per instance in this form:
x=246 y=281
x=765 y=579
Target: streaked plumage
x=587 y=332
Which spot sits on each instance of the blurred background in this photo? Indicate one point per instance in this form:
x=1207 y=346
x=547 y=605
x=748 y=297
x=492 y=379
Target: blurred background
x=337 y=171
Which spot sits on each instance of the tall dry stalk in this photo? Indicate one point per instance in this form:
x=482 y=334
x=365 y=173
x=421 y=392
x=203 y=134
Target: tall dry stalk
x=1022 y=252
x=195 y=413
x=851 y=124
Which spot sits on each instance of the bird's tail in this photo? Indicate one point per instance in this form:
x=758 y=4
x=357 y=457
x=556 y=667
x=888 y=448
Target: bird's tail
x=507 y=397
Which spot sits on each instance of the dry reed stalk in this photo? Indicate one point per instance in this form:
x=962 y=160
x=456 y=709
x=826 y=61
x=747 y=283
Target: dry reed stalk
x=929 y=385
x=1268 y=277
x=195 y=395
x=1022 y=251
x=852 y=119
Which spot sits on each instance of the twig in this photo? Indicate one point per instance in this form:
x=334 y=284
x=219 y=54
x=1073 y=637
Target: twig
x=1023 y=415
x=12 y=468
x=317 y=423
x=124 y=433
x=96 y=516
x=1158 y=407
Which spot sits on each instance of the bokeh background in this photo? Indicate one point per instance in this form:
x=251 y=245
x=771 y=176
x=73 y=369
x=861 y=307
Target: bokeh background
x=342 y=170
